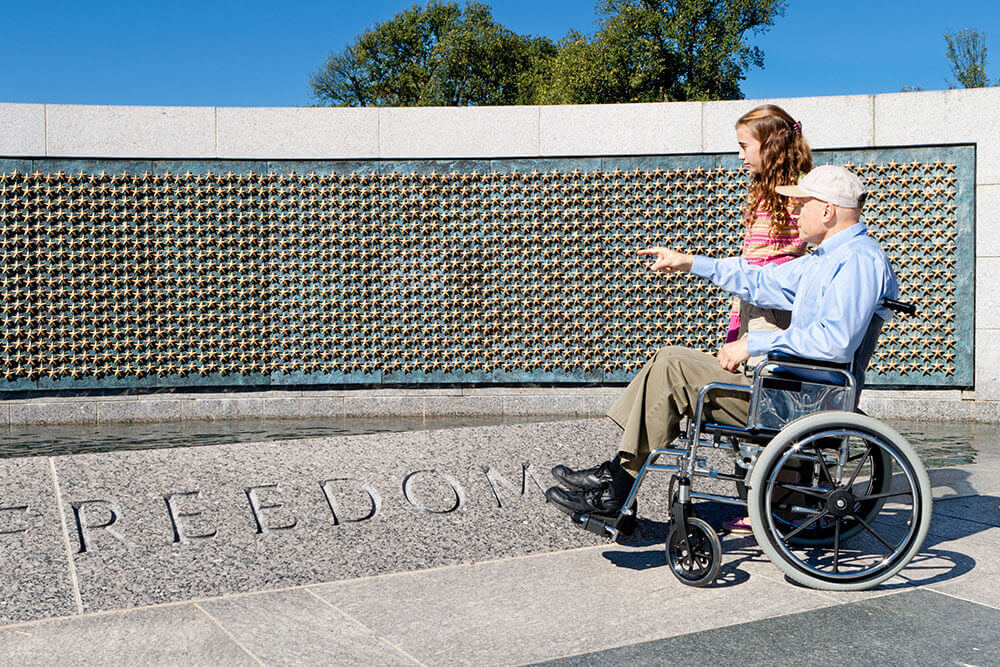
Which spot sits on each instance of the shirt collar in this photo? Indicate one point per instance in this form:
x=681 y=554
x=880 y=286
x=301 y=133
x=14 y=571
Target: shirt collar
x=841 y=238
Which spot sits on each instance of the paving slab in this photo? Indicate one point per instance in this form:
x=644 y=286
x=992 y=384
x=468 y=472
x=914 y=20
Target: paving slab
x=171 y=635
x=913 y=627
x=959 y=555
x=742 y=558
x=515 y=611
x=980 y=478
x=35 y=579
x=296 y=627
x=984 y=589
x=159 y=526
x=979 y=508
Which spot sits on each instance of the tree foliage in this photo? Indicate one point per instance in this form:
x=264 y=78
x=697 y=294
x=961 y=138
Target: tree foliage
x=439 y=54
x=659 y=50
x=967 y=55
x=643 y=51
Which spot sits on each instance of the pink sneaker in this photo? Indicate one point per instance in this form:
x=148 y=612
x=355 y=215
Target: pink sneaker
x=738 y=526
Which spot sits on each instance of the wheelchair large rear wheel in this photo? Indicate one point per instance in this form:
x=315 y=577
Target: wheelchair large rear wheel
x=868 y=488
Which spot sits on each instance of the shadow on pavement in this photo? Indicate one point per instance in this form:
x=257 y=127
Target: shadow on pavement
x=975 y=513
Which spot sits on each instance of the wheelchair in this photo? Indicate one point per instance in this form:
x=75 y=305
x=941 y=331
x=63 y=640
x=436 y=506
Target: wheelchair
x=836 y=499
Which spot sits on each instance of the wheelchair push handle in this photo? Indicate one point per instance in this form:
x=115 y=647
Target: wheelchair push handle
x=899 y=306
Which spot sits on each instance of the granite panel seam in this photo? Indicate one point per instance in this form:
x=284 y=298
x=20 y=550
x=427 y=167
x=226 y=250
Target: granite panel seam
x=703 y=126
x=872 y=99
x=227 y=632
x=361 y=625
x=959 y=597
x=74 y=581
x=538 y=129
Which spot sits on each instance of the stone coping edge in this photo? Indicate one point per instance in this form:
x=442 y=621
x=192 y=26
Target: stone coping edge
x=932 y=405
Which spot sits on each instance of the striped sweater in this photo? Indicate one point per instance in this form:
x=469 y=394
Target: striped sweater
x=764 y=246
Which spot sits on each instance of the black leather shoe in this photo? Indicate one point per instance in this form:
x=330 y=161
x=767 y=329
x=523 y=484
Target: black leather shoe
x=601 y=500
x=588 y=478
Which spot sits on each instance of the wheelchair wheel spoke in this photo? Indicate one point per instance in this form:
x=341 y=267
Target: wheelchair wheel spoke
x=836 y=546
x=804 y=490
x=808 y=523
x=780 y=502
x=854 y=476
x=891 y=494
x=822 y=466
x=874 y=532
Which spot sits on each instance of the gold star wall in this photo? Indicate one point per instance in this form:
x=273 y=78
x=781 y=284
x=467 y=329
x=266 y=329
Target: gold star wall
x=483 y=274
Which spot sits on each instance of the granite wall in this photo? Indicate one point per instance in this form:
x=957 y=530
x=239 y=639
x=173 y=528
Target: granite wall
x=852 y=122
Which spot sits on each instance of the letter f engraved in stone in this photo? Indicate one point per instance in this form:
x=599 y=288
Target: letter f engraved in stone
x=373 y=497
x=175 y=518
x=496 y=479
x=257 y=508
x=84 y=527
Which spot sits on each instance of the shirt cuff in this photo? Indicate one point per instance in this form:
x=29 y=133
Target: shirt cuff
x=703 y=267
x=760 y=343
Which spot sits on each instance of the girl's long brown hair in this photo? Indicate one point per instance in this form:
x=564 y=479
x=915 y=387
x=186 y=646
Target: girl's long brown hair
x=784 y=158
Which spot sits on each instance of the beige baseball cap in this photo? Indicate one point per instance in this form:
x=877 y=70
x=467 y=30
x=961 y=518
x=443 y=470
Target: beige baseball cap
x=834 y=185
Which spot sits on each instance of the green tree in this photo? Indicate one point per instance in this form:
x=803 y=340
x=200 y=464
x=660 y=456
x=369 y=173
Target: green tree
x=439 y=54
x=660 y=50
x=967 y=55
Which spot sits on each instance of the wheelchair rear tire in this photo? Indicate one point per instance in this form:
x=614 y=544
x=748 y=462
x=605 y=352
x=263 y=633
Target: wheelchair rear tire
x=697 y=562
x=877 y=529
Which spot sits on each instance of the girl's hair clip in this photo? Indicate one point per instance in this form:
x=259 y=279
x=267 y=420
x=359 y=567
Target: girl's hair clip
x=797 y=127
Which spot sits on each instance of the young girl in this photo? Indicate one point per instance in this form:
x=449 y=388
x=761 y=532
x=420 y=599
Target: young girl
x=775 y=153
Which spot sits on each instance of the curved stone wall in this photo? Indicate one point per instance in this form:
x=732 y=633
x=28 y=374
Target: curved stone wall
x=927 y=232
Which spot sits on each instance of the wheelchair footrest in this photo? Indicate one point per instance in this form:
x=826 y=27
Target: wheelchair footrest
x=597 y=525
x=605 y=526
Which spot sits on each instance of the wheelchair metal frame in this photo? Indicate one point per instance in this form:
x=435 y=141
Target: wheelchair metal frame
x=689 y=463
x=819 y=450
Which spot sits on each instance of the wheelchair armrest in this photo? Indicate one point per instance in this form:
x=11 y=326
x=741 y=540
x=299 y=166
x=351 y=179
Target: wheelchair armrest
x=809 y=362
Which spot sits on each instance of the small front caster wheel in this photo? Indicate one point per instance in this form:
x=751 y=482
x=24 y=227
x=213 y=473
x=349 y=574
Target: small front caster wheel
x=696 y=562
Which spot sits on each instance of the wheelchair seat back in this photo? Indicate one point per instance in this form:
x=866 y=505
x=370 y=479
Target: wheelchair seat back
x=786 y=390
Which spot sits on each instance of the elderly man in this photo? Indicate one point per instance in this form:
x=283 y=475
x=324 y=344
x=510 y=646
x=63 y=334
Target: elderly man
x=833 y=293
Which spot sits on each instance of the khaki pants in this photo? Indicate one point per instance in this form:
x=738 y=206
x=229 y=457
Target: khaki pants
x=666 y=390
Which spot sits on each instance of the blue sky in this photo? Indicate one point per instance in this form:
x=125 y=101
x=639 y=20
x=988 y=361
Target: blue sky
x=254 y=53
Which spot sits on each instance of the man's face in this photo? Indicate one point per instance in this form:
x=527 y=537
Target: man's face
x=810 y=212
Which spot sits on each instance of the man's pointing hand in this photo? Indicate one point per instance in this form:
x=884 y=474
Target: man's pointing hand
x=668 y=260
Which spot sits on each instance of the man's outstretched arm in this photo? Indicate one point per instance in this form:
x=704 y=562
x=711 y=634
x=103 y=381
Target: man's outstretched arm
x=769 y=286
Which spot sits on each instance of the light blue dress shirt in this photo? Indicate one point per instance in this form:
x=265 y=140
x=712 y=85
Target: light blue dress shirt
x=832 y=292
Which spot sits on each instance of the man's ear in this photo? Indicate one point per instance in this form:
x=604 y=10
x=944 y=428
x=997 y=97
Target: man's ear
x=829 y=213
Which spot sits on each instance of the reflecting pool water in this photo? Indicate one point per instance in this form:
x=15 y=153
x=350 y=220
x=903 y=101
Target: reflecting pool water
x=939 y=443
x=59 y=440
x=942 y=444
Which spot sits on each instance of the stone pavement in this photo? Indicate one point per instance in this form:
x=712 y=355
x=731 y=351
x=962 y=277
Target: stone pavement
x=600 y=603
